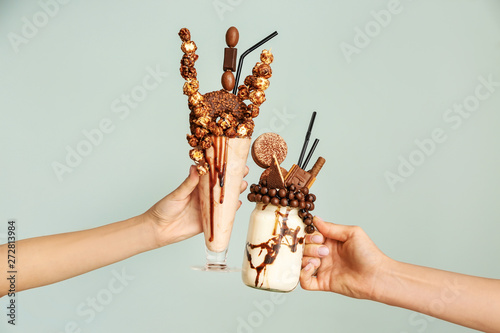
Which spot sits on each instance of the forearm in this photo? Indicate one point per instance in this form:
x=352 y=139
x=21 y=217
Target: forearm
x=44 y=260
x=462 y=299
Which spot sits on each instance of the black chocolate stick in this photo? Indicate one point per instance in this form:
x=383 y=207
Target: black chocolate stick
x=240 y=62
x=306 y=142
x=316 y=141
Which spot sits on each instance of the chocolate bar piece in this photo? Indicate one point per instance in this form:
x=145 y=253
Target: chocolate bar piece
x=297 y=177
x=229 y=59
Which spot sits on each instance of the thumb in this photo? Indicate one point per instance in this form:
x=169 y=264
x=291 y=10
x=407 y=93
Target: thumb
x=188 y=186
x=336 y=232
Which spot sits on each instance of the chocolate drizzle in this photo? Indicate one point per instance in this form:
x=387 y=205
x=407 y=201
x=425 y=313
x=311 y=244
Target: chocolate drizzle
x=217 y=171
x=287 y=236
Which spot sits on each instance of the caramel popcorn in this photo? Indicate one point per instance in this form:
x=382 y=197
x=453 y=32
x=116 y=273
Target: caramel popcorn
x=195 y=99
x=197 y=155
x=253 y=110
x=188 y=72
x=184 y=34
x=243 y=92
x=192 y=140
x=266 y=57
x=260 y=83
x=191 y=86
x=189 y=59
x=188 y=47
x=230 y=132
x=249 y=81
x=202 y=169
x=200 y=110
x=200 y=132
x=263 y=70
x=257 y=97
x=203 y=121
x=206 y=142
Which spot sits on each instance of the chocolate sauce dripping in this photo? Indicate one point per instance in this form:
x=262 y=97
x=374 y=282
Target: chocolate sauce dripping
x=217 y=171
x=273 y=245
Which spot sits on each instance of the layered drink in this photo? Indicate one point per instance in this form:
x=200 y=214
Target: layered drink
x=275 y=240
x=221 y=126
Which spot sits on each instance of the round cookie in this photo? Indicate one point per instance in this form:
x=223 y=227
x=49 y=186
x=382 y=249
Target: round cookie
x=265 y=146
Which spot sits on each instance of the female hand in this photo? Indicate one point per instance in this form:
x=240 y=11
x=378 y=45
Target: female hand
x=341 y=259
x=178 y=215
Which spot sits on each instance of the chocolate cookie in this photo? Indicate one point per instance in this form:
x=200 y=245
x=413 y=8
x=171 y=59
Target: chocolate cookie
x=265 y=146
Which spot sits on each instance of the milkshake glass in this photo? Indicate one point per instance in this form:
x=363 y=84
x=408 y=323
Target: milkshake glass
x=219 y=191
x=274 y=247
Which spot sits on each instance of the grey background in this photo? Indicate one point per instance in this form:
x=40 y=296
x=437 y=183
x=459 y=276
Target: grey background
x=370 y=112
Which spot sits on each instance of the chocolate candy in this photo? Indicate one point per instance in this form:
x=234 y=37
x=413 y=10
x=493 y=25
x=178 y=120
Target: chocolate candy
x=266 y=199
x=258 y=197
x=294 y=203
x=265 y=146
x=272 y=192
x=310 y=229
x=251 y=197
x=308 y=221
x=297 y=176
x=284 y=202
x=275 y=201
x=230 y=55
x=282 y=193
x=264 y=190
x=232 y=37
x=227 y=80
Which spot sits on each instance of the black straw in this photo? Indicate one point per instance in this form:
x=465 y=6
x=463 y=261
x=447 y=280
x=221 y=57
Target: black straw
x=316 y=141
x=306 y=141
x=240 y=62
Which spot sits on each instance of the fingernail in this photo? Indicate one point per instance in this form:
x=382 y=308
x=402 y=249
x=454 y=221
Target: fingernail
x=314 y=261
x=308 y=267
x=317 y=239
x=323 y=251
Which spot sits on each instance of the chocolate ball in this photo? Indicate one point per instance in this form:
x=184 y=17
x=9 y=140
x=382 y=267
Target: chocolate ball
x=304 y=190
x=299 y=196
x=313 y=197
x=275 y=201
x=266 y=199
x=282 y=193
x=302 y=213
x=292 y=187
x=310 y=198
x=258 y=197
x=291 y=196
x=256 y=189
x=312 y=206
x=232 y=37
x=294 y=203
x=309 y=216
x=272 y=192
x=227 y=80
x=308 y=206
x=264 y=182
x=284 y=202
x=310 y=229
x=302 y=204
x=264 y=190
x=308 y=221
x=251 y=197
x=251 y=187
